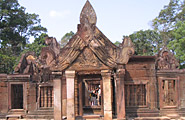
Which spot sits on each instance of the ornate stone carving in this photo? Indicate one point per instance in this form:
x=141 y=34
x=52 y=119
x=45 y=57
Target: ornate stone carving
x=49 y=54
x=87 y=60
x=88 y=13
x=88 y=47
x=27 y=64
x=127 y=50
x=166 y=60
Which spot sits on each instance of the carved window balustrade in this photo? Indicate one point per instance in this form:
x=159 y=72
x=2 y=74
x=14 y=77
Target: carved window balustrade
x=46 y=96
x=135 y=95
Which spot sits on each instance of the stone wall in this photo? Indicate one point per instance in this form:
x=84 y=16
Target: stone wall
x=3 y=94
x=141 y=70
x=64 y=97
x=31 y=97
x=182 y=90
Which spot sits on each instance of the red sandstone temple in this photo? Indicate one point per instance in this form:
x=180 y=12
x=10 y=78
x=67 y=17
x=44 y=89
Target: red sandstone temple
x=92 y=79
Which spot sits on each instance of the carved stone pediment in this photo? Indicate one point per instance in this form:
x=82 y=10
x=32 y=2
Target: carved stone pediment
x=27 y=63
x=88 y=38
x=166 y=60
x=87 y=61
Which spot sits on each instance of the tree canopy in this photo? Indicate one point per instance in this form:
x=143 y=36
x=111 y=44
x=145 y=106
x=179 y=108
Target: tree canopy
x=65 y=39
x=146 y=42
x=16 y=27
x=167 y=19
x=168 y=30
x=178 y=43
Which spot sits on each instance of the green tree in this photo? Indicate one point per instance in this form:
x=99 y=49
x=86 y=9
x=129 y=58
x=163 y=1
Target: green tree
x=178 y=44
x=16 y=27
x=168 y=17
x=65 y=39
x=170 y=24
x=117 y=43
x=146 y=42
x=37 y=45
x=6 y=63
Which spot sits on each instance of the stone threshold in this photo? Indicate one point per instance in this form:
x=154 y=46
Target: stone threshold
x=92 y=117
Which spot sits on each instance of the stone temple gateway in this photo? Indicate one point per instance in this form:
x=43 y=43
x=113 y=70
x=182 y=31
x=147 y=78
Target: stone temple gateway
x=91 y=78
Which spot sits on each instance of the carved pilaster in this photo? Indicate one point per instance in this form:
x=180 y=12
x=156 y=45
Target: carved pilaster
x=57 y=95
x=120 y=94
x=70 y=82
x=106 y=76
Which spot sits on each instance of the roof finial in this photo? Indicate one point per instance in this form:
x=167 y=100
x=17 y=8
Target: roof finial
x=88 y=13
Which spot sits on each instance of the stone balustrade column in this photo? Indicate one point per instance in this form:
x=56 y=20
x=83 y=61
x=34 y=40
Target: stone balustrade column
x=106 y=77
x=70 y=81
x=120 y=96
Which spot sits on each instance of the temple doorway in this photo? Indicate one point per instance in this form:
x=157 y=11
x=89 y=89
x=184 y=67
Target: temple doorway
x=16 y=96
x=91 y=96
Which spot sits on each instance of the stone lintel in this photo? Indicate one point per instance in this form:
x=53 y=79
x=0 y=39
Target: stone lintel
x=106 y=73
x=57 y=73
x=70 y=74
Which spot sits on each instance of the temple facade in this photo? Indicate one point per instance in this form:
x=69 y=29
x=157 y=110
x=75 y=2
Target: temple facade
x=90 y=78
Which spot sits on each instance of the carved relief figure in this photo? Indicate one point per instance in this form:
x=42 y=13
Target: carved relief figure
x=169 y=92
x=166 y=60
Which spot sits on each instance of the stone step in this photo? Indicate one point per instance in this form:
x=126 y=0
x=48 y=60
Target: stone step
x=13 y=117
x=40 y=117
x=150 y=118
x=92 y=117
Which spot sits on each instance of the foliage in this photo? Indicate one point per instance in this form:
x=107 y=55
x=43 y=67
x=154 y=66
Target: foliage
x=170 y=24
x=65 y=39
x=8 y=61
x=168 y=18
x=169 y=30
x=16 y=27
x=178 y=44
x=117 y=43
x=146 y=42
x=36 y=47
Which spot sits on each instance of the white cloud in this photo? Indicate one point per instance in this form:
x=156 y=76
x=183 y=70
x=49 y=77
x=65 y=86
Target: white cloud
x=62 y=14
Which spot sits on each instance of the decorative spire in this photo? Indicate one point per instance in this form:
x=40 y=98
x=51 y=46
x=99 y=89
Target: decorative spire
x=88 y=13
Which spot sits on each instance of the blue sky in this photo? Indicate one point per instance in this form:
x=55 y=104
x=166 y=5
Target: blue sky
x=115 y=18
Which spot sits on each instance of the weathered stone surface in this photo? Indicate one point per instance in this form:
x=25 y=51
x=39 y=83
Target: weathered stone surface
x=107 y=115
x=166 y=60
x=90 y=55
x=57 y=99
x=120 y=94
x=106 y=77
x=70 y=76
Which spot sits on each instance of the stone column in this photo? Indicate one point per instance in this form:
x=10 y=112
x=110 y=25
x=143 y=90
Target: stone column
x=70 y=79
x=57 y=97
x=106 y=76
x=120 y=94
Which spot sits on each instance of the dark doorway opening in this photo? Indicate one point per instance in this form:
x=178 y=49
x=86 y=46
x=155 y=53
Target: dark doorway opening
x=92 y=96
x=17 y=96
